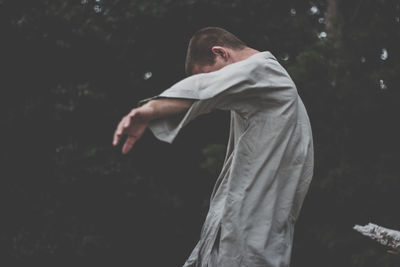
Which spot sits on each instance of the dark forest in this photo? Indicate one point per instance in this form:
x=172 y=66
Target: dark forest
x=72 y=69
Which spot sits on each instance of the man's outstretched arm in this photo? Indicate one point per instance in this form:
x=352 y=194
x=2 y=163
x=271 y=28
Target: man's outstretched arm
x=135 y=122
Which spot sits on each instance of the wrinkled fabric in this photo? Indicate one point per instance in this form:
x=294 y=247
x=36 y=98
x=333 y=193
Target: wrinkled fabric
x=268 y=165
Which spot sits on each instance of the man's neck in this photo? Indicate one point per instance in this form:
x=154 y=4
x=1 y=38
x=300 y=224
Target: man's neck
x=244 y=54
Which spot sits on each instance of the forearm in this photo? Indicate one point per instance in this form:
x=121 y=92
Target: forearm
x=164 y=107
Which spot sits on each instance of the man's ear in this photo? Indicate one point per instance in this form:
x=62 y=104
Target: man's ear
x=220 y=51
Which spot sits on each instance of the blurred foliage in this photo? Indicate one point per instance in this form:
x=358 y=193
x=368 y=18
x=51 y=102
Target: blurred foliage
x=213 y=158
x=72 y=69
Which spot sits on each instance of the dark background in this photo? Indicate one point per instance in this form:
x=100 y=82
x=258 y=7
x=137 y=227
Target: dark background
x=72 y=69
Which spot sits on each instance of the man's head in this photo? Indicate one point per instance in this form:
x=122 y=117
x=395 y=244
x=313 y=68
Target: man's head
x=210 y=49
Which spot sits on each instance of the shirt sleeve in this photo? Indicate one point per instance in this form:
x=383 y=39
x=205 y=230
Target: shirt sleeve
x=238 y=87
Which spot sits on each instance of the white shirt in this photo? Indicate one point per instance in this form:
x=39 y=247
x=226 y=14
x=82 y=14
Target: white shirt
x=268 y=166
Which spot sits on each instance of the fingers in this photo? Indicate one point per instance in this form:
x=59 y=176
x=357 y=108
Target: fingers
x=116 y=136
x=119 y=131
x=129 y=118
x=132 y=115
x=124 y=124
x=130 y=141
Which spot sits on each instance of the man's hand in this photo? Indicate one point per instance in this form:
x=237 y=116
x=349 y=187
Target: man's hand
x=133 y=125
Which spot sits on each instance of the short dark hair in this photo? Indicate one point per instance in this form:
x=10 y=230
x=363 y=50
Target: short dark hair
x=199 y=50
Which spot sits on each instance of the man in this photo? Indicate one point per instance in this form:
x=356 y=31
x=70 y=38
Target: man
x=269 y=160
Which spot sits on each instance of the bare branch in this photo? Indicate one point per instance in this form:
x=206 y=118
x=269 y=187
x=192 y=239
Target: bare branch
x=384 y=236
